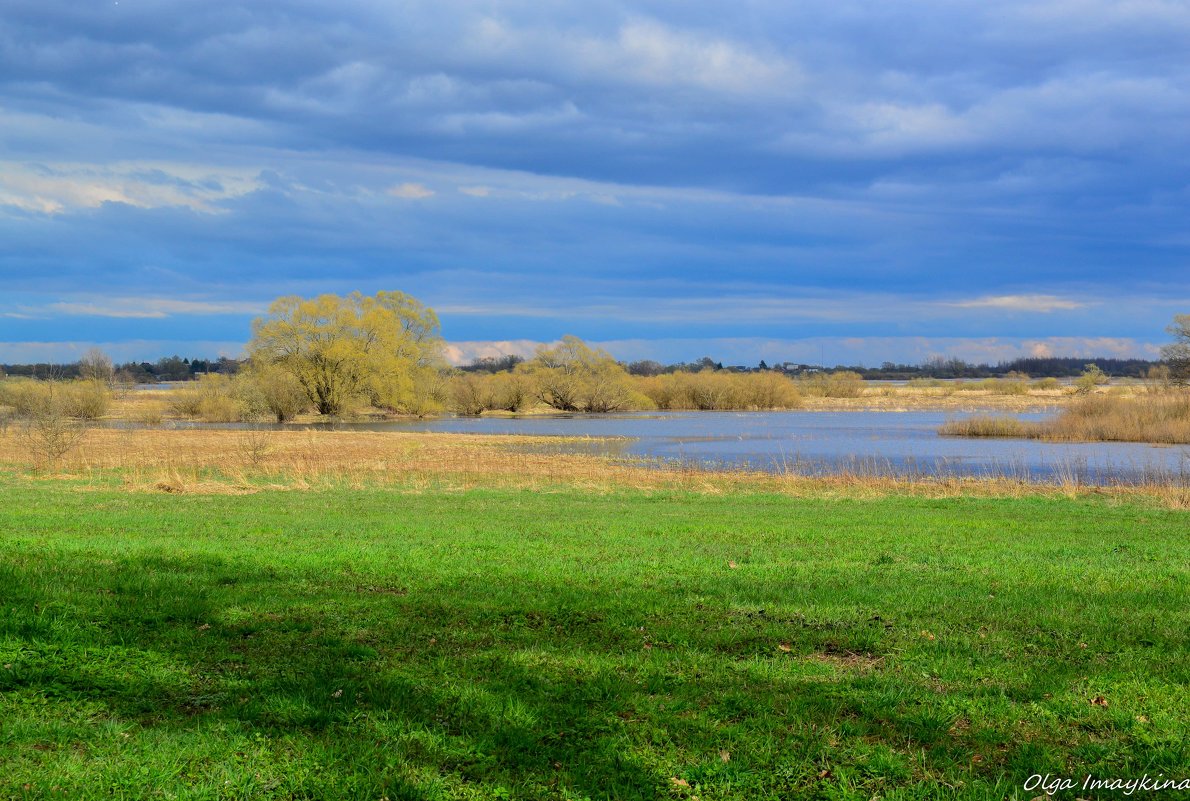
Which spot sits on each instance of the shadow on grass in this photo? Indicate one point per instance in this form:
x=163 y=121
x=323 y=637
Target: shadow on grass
x=425 y=695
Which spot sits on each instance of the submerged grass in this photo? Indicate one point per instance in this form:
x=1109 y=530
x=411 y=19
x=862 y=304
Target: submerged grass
x=505 y=643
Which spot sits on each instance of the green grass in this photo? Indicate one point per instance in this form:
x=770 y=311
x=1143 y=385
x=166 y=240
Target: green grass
x=516 y=644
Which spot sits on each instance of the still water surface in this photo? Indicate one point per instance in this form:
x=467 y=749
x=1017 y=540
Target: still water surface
x=824 y=442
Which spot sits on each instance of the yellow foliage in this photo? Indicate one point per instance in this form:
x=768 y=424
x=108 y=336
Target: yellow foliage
x=574 y=377
x=386 y=348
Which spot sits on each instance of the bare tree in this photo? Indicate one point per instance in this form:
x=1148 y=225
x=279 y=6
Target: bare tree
x=97 y=366
x=1177 y=354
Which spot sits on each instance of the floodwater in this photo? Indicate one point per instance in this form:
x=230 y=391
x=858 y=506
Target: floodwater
x=826 y=442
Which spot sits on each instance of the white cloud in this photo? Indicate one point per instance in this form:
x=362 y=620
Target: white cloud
x=654 y=53
x=1027 y=303
x=411 y=191
x=58 y=187
x=778 y=305
x=152 y=308
x=459 y=353
x=641 y=52
x=869 y=351
x=125 y=351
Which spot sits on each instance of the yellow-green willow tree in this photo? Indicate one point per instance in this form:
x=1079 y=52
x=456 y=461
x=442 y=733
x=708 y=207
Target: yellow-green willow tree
x=386 y=349
x=574 y=377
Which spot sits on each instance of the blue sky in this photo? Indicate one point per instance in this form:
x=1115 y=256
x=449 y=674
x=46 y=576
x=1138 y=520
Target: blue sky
x=777 y=180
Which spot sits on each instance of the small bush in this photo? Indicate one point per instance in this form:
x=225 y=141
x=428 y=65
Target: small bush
x=219 y=408
x=212 y=399
x=842 y=384
x=1091 y=378
x=269 y=391
x=151 y=414
x=185 y=402
x=23 y=395
x=87 y=399
x=1159 y=379
x=762 y=391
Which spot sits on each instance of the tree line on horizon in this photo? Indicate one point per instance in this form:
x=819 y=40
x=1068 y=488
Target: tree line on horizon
x=178 y=368
x=336 y=354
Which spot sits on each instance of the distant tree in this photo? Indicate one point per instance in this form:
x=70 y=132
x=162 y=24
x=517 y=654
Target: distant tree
x=1177 y=353
x=172 y=368
x=386 y=348
x=493 y=364
x=762 y=365
x=646 y=367
x=575 y=377
x=96 y=366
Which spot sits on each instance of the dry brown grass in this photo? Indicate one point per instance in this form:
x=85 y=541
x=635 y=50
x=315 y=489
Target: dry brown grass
x=920 y=398
x=219 y=461
x=1106 y=417
x=1161 y=418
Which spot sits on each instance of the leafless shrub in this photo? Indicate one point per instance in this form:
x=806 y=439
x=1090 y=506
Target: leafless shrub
x=254 y=447
x=49 y=432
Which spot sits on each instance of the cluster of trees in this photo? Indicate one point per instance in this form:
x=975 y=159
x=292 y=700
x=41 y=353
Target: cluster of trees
x=332 y=354
x=574 y=377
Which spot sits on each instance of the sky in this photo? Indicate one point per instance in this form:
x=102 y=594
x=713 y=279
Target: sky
x=766 y=179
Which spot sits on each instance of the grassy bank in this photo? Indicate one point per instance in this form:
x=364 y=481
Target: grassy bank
x=520 y=644
x=1160 y=418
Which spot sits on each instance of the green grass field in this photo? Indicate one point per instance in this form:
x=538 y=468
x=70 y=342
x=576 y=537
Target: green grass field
x=513 y=644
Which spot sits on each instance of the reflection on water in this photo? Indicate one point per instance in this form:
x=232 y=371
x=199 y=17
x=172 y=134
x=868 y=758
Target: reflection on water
x=821 y=442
